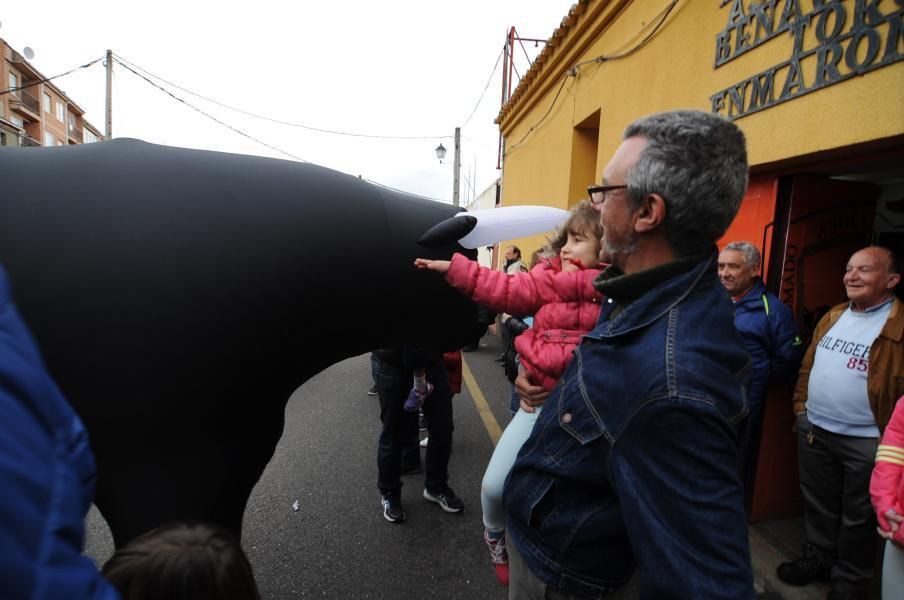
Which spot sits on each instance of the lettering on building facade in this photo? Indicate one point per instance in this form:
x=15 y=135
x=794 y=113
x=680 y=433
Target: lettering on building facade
x=832 y=42
x=789 y=276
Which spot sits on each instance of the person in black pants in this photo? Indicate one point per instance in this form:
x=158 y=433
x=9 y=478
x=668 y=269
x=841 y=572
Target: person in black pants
x=397 y=366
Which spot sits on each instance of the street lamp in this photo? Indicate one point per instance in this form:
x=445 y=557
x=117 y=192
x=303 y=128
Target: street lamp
x=456 y=164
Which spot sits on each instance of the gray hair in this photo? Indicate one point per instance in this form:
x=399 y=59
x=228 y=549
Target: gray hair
x=697 y=162
x=751 y=254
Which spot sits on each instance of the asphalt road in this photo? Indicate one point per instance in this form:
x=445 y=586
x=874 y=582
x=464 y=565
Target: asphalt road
x=337 y=544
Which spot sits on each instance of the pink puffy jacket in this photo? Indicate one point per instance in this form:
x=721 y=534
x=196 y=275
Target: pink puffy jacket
x=887 y=484
x=565 y=306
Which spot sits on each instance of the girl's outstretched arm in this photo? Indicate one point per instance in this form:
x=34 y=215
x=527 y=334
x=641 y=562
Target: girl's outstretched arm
x=439 y=266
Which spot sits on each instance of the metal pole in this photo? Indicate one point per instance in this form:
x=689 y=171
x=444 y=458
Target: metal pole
x=108 y=134
x=456 y=167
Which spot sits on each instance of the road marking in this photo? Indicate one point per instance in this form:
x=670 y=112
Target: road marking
x=480 y=402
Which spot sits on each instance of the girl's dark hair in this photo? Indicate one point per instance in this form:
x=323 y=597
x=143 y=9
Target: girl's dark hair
x=584 y=219
x=182 y=561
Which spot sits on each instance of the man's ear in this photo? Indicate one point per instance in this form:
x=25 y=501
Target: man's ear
x=651 y=213
x=893 y=280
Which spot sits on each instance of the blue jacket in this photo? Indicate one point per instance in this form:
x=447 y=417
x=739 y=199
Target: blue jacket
x=46 y=476
x=634 y=456
x=769 y=333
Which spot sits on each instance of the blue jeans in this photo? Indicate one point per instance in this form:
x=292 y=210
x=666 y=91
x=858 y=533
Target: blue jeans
x=374 y=368
x=501 y=462
x=411 y=449
x=398 y=425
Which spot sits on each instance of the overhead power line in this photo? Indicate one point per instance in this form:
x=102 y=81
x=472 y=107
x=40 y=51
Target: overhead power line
x=46 y=79
x=134 y=67
x=483 y=93
x=209 y=116
x=573 y=71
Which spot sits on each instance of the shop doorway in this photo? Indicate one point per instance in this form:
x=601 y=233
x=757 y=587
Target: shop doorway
x=807 y=225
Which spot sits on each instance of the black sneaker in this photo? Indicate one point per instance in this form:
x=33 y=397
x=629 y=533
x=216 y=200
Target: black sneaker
x=808 y=568
x=446 y=499
x=392 y=508
x=373 y=391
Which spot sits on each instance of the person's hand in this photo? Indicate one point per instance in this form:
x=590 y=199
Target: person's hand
x=438 y=266
x=531 y=395
x=895 y=521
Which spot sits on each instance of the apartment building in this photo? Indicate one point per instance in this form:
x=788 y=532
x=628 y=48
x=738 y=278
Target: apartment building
x=40 y=115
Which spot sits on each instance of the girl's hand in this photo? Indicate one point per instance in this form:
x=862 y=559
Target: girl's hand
x=438 y=266
x=894 y=519
x=531 y=395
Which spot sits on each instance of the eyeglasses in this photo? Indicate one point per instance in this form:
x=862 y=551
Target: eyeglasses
x=600 y=193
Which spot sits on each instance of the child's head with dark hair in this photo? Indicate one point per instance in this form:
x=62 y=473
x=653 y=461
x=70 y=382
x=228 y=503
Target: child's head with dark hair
x=182 y=561
x=584 y=222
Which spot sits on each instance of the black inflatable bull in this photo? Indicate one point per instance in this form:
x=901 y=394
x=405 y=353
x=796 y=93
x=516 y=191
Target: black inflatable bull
x=180 y=296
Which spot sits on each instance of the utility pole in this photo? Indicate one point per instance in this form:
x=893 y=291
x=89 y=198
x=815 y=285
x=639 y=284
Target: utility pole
x=108 y=133
x=456 y=167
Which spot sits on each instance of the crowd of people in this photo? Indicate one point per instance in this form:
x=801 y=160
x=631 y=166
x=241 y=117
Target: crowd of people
x=653 y=467
x=640 y=381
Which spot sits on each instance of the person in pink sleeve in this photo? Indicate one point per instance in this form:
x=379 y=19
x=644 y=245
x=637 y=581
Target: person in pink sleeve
x=887 y=490
x=559 y=293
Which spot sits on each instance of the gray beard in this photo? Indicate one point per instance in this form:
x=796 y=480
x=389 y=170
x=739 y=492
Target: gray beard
x=628 y=247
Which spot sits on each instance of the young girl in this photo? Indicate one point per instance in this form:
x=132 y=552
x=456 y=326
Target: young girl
x=887 y=490
x=559 y=293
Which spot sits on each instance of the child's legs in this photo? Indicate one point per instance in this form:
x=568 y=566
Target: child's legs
x=501 y=463
x=892 y=571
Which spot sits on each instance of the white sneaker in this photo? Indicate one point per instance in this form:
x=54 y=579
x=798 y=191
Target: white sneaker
x=424 y=442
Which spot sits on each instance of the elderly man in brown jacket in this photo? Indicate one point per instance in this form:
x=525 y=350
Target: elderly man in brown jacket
x=850 y=379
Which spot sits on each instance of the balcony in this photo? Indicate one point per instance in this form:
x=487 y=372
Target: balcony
x=76 y=134
x=29 y=141
x=24 y=66
x=25 y=104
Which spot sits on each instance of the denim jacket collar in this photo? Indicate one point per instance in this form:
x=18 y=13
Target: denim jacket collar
x=648 y=295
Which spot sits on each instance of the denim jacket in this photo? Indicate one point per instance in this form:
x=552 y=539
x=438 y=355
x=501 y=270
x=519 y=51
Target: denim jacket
x=634 y=457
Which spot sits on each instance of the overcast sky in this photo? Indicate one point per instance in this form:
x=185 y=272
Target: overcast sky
x=392 y=68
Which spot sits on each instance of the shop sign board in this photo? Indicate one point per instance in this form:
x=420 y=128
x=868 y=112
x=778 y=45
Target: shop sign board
x=831 y=41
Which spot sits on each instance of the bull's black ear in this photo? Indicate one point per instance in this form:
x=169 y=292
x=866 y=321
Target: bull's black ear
x=450 y=230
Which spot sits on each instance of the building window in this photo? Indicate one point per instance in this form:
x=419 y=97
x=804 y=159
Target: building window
x=88 y=137
x=49 y=140
x=17 y=121
x=61 y=112
x=48 y=103
x=13 y=81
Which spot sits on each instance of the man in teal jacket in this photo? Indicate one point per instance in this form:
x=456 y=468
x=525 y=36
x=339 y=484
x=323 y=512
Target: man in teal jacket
x=768 y=331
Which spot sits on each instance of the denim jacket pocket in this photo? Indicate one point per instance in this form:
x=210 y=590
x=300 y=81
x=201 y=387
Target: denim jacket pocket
x=577 y=415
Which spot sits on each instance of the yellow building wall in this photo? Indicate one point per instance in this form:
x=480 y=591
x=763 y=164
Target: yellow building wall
x=675 y=69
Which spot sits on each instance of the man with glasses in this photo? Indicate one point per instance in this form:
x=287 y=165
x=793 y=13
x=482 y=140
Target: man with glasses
x=633 y=462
